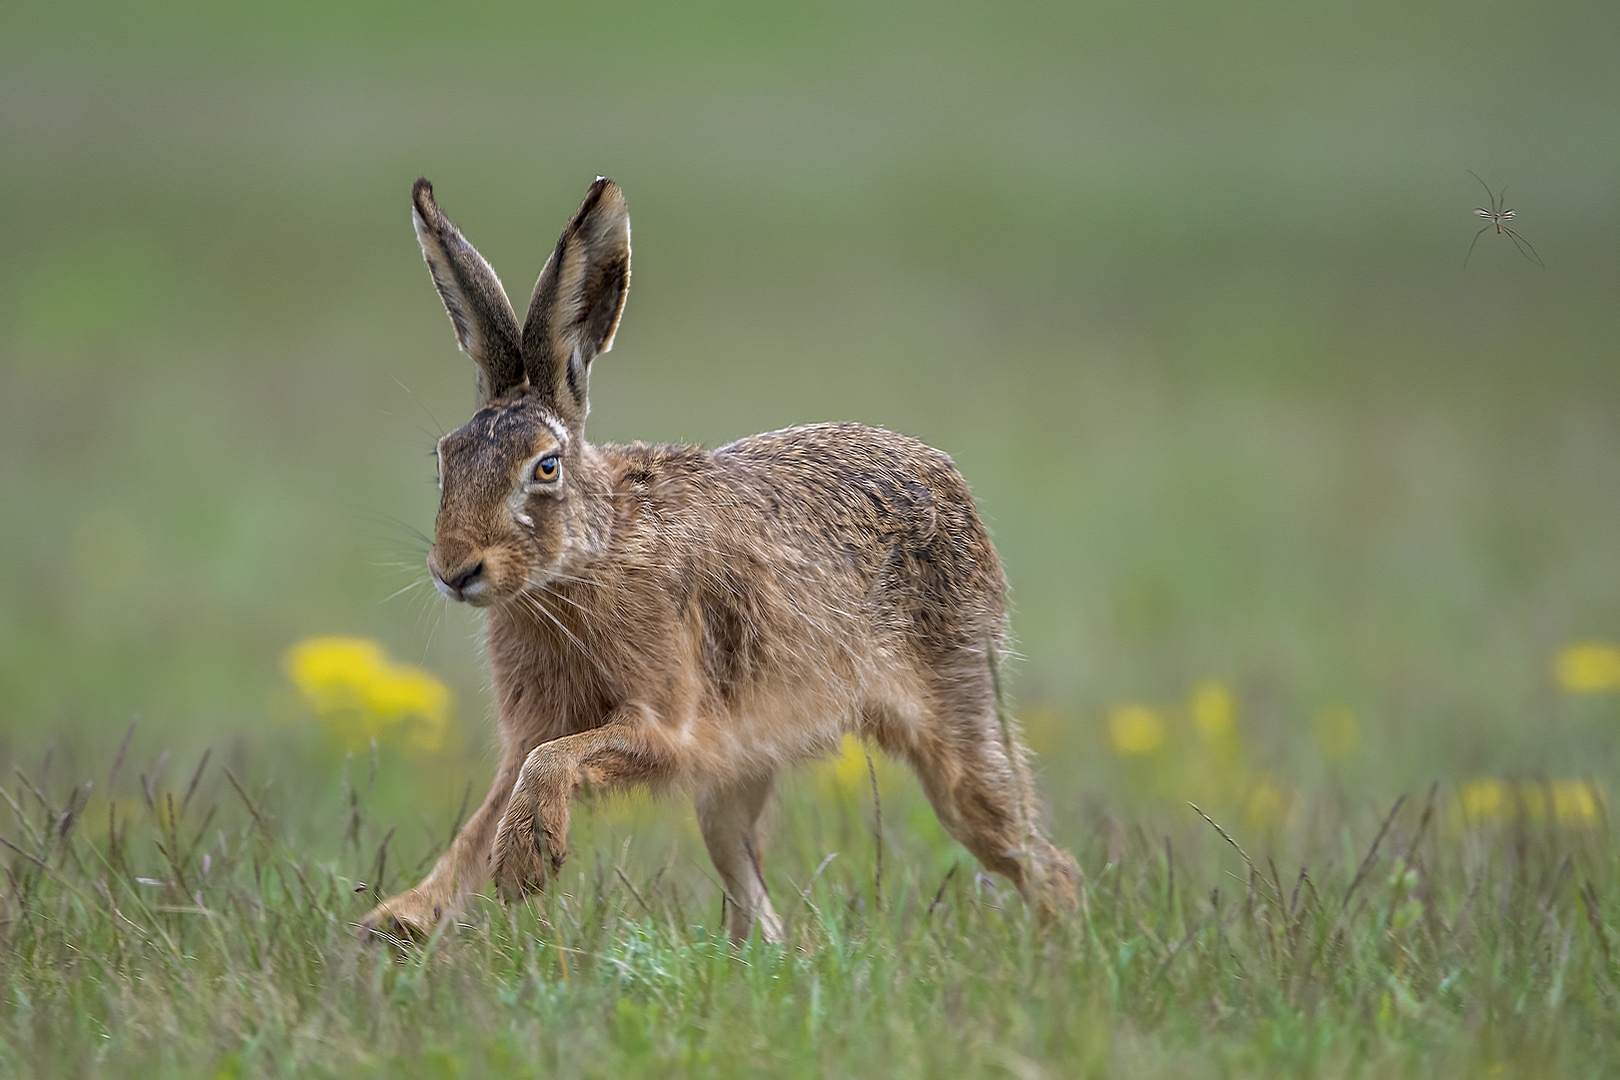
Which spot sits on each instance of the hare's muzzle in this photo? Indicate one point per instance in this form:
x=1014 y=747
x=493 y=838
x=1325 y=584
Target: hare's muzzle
x=466 y=582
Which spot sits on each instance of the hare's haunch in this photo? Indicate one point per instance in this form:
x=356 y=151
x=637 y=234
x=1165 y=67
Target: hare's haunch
x=678 y=617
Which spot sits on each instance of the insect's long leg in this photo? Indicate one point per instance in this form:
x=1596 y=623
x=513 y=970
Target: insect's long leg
x=1487 y=188
x=1531 y=254
x=1470 y=254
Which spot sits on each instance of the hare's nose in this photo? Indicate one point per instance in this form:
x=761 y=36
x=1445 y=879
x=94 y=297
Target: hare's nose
x=466 y=576
x=463 y=580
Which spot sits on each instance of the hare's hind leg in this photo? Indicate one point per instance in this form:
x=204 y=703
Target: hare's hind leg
x=728 y=815
x=974 y=771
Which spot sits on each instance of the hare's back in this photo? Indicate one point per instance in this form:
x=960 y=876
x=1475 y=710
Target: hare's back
x=894 y=507
x=846 y=457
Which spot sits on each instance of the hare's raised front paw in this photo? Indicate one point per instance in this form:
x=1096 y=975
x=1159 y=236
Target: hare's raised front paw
x=407 y=919
x=521 y=861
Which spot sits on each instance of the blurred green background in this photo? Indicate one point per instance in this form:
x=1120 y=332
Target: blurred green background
x=1180 y=286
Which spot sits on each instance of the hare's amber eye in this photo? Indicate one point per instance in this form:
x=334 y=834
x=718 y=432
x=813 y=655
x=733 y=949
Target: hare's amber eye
x=545 y=470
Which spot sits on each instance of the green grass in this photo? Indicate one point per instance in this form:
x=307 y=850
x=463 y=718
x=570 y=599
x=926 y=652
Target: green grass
x=1180 y=288
x=190 y=938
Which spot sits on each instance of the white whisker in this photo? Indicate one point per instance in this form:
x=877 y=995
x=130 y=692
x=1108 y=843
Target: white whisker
x=405 y=589
x=575 y=604
x=534 y=604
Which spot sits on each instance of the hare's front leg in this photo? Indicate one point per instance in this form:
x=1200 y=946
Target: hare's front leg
x=458 y=875
x=532 y=839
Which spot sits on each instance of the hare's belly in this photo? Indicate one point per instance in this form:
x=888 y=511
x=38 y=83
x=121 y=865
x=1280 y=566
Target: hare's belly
x=781 y=723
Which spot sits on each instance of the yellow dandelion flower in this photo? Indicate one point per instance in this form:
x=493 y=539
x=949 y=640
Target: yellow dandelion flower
x=1336 y=731
x=359 y=695
x=846 y=773
x=1568 y=802
x=1589 y=667
x=1574 y=802
x=1135 y=730
x=1213 y=712
x=849 y=767
x=1484 y=800
x=330 y=671
x=1268 y=805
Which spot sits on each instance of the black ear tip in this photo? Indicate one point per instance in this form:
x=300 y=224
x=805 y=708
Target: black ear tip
x=422 y=193
x=603 y=192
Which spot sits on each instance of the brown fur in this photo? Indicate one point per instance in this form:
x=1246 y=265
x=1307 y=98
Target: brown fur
x=675 y=617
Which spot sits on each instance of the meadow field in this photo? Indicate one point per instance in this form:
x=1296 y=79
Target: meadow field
x=1313 y=531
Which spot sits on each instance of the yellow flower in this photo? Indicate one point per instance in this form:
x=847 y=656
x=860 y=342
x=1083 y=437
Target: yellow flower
x=1568 y=802
x=1483 y=800
x=849 y=767
x=1212 y=712
x=359 y=695
x=1268 y=805
x=1336 y=731
x=1571 y=801
x=1574 y=802
x=1589 y=667
x=846 y=774
x=1136 y=730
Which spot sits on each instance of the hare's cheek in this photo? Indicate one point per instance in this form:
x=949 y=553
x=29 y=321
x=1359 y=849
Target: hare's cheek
x=547 y=544
x=532 y=511
x=521 y=509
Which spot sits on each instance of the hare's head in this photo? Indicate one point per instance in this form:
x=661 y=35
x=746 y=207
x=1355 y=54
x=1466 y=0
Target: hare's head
x=515 y=482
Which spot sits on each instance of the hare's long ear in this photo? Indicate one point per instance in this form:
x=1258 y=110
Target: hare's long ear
x=485 y=326
x=578 y=300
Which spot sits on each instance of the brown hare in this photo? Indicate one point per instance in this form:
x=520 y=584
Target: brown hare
x=698 y=619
